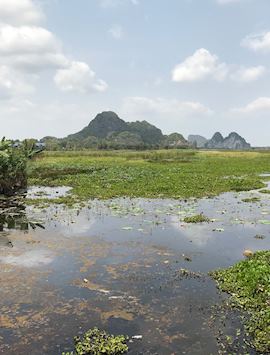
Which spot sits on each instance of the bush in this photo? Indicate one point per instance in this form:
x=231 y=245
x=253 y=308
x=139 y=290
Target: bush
x=12 y=168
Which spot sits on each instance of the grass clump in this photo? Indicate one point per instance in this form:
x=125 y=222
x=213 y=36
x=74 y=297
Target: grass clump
x=248 y=283
x=198 y=218
x=96 y=342
x=245 y=184
x=265 y=191
x=251 y=199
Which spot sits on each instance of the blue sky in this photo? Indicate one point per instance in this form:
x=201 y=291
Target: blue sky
x=192 y=66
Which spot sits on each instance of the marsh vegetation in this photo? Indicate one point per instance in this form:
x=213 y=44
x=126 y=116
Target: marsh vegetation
x=154 y=174
x=248 y=283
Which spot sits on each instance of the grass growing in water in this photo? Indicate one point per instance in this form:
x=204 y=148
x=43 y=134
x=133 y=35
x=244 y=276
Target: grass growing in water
x=96 y=342
x=248 y=283
x=199 y=218
x=252 y=199
x=162 y=174
x=265 y=191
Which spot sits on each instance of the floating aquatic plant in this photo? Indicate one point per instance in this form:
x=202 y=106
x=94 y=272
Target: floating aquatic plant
x=96 y=342
x=248 y=283
x=199 y=218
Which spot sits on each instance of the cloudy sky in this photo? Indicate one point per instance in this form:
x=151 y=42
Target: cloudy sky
x=192 y=66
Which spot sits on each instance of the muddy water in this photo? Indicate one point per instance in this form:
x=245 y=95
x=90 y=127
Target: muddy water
x=119 y=265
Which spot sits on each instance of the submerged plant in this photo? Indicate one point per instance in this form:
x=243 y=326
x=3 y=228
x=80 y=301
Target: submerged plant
x=96 y=342
x=248 y=283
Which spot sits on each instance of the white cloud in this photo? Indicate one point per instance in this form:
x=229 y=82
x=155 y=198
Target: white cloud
x=260 y=105
x=116 y=31
x=31 y=48
x=226 y=2
x=26 y=39
x=79 y=77
x=113 y=3
x=204 y=65
x=140 y=106
x=248 y=74
x=170 y=115
x=201 y=65
x=257 y=42
x=12 y=83
x=20 y=12
x=26 y=48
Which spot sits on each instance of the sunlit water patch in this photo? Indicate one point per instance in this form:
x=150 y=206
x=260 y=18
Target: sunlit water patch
x=41 y=192
x=30 y=259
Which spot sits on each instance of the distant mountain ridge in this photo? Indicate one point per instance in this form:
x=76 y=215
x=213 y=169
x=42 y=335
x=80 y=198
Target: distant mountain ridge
x=196 y=140
x=109 y=126
x=108 y=131
x=233 y=141
x=102 y=125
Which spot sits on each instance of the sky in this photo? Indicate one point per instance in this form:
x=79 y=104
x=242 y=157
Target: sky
x=187 y=66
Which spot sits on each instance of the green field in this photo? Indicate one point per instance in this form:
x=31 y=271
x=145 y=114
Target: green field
x=151 y=174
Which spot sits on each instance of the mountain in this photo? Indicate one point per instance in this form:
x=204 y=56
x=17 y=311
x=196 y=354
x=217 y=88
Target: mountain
x=108 y=126
x=233 y=141
x=101 y=126
x=148 y=133
x=108 y=131
x=197 y=141
x=175 y=140
x=216 y=142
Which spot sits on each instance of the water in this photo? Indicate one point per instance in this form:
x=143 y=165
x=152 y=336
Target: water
x=39 y=192
x=119 y=265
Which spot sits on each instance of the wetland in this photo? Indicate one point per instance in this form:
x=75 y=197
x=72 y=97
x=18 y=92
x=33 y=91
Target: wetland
x=107 y=240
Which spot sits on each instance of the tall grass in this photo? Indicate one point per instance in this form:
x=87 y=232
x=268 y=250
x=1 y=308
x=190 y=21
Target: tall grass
x=149 y=155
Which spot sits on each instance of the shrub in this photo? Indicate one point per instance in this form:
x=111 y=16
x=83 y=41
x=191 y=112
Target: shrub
x=12 y=168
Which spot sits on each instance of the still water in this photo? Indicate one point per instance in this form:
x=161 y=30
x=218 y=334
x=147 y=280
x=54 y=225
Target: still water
x=129 y=266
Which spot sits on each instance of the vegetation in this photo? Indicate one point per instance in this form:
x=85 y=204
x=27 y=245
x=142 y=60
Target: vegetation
x=12 y=168
x=96 y=342
x=265 y=191
x=13 y=164
x=153 y=174
x=248 y=283
x=251 y=199
x=199 y=218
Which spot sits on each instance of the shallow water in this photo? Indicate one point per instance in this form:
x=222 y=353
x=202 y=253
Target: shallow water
x=39 y=192
x=119 y=265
